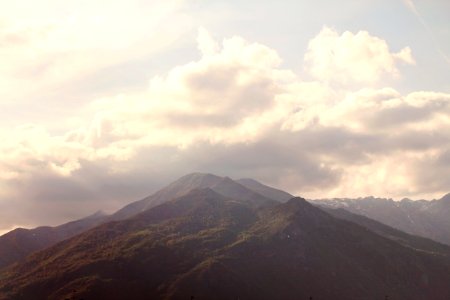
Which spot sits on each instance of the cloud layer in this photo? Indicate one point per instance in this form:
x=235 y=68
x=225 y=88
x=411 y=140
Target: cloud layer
x=349 y=58
x=235 y=111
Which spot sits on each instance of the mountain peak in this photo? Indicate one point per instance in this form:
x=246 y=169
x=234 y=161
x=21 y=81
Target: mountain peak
x=222 y=185
x=192 y=181
x=298 y=207
x=298 y=201
x=198 y=176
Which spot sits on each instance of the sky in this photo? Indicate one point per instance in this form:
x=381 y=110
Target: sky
x=104 y=102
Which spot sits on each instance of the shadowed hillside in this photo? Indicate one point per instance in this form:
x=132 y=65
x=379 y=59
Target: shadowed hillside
x=206 y=245
x=17 y=244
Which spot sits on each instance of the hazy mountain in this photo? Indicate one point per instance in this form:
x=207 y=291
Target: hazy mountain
x=429 y=219
x=209 y=246
x=223 y=185
x=269 y=192
x=18 y=243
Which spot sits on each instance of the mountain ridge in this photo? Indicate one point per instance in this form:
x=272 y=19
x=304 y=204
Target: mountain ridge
x=209 y=246
x=18 y=243
x=430 y=219
x=183 y=185
x=216 y=238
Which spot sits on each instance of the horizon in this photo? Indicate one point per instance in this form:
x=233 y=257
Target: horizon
x=103 y=103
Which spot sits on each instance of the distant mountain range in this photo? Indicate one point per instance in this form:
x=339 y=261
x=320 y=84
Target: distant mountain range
x=429 y=219
x=211 y=237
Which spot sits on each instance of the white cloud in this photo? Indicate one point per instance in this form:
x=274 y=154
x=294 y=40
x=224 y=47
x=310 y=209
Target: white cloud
x=221 y=98
x=206 y=44
x=50 y=45
x=352 y=58
x=236 y=111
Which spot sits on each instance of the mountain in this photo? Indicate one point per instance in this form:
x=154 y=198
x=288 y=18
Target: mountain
x=270 y=192
x=18 y=243
x=223 y=185
x=408 y=240
x=209 y=246
x=430 y=219
x=138 y=254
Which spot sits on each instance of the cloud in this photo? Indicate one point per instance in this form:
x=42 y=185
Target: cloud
x=219 y=98
x=206 y=44
x=352 y=58
x=50 y=47
x=235 y=111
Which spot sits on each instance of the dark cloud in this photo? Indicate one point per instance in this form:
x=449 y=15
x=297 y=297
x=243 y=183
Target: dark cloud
x=405 y=114
x=419 y=140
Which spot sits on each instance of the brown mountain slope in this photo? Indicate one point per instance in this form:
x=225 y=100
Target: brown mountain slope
x=212 y=247
x=297 y=250
x=141 y=254
x=18 y=243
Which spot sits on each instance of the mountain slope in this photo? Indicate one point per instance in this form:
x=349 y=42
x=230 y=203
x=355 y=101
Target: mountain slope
x=206 y=245
x=408 y=240
x=178 y=188
x=430 y=219
x=297 y=251
x=267 y=191
x=18 y=243
x=223 y=185
x=132 y=258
